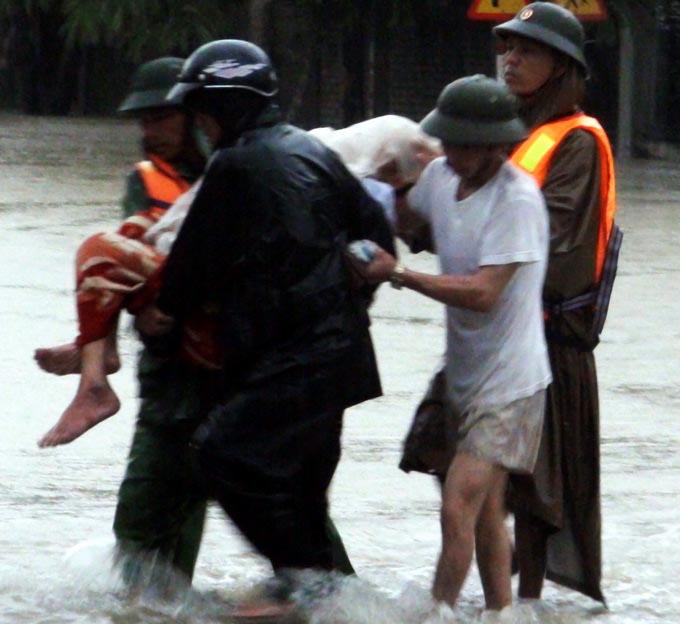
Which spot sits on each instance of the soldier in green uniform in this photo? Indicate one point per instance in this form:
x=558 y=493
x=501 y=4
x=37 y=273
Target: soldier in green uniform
x=161 y=508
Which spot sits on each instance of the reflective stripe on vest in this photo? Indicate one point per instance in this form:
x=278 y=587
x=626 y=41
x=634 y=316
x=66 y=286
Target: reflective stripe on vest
x=534 y=156
x=162 y=182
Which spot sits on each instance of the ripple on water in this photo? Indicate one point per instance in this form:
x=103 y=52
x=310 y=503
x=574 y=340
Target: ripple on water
x=68 y=176
x=661 y=393
x=89 y=591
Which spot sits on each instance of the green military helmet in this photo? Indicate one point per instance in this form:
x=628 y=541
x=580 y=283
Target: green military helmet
x=475 y=110
x=551 y=25
x=151 y=84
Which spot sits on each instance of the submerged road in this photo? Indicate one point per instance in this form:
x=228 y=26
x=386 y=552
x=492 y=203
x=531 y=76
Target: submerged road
x=61 y=179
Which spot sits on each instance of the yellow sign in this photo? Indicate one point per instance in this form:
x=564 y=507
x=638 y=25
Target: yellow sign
x=497 y=10
x=585 y=9
x=501 y=10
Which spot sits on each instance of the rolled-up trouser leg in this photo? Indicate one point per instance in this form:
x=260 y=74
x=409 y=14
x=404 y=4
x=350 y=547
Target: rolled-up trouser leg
x=111 y=271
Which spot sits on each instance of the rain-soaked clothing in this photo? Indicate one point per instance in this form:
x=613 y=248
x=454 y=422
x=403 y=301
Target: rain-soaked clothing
x=162 y=184
x=264 y=242
x=121 y=270
x=535 y=155
x=161 y=503
x=161 y=508
x=147 y=193
x=564 y=490
x=112 y=268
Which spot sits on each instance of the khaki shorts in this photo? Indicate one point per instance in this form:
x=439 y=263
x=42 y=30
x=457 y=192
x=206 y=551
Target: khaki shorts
x=506 y=435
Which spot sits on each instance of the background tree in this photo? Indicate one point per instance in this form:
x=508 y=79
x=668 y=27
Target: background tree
x=75 y=56
x=61 y=56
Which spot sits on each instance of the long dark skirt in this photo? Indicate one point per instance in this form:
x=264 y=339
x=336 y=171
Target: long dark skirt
x=564 y=490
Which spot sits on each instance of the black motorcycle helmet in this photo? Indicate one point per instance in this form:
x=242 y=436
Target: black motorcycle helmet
x=227 y=64
x=231 y=80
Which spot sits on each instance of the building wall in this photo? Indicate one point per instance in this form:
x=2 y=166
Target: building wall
x=405 y=51
x=429 y=54
x=331 y=88
x=409 y=62
x=404 y=74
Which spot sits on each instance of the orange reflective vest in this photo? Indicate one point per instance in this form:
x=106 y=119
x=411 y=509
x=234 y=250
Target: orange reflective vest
x=534 y=156
x=163 y=185
x=162 y=182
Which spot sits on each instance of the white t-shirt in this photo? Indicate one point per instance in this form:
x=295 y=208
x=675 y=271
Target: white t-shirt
x=495 y=357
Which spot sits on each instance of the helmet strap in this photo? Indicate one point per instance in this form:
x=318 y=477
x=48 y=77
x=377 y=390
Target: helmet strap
x=560 y=95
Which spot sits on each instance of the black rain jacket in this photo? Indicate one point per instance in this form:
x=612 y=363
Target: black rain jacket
x=264 y=244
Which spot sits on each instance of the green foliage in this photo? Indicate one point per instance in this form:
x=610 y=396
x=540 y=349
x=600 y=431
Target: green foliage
x=144 y=28
x=348 y=12
x=140 y=28
x=7 y=7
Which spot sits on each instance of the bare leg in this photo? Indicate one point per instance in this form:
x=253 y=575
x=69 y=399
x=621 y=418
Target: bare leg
x=66 y=359
x=493 y=545
x=94 y=401
x=531 y=541
x=467 y=484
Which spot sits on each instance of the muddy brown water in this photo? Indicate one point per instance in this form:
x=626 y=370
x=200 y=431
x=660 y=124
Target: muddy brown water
x=62 y=179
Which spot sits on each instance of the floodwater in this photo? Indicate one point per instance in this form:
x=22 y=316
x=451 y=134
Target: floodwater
x=61 y=180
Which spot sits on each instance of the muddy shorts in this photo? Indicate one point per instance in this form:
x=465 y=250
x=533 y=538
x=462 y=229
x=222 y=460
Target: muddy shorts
x=506 y=435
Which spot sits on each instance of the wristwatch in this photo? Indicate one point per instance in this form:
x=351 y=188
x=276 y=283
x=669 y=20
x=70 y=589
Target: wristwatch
x=397 y=276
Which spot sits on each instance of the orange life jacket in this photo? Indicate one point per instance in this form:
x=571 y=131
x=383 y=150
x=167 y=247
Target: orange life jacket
x=162 y=182
x=534 y=156
x=163 y=185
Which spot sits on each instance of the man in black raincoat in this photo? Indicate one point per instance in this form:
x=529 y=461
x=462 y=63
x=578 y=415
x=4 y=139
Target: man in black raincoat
x=263 y=246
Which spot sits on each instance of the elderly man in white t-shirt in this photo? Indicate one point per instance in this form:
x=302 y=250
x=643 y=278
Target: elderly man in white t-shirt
x=490 y=230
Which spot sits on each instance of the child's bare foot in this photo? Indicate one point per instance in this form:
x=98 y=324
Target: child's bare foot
x=61 y=360
x=89 y=407
x=66 y=359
